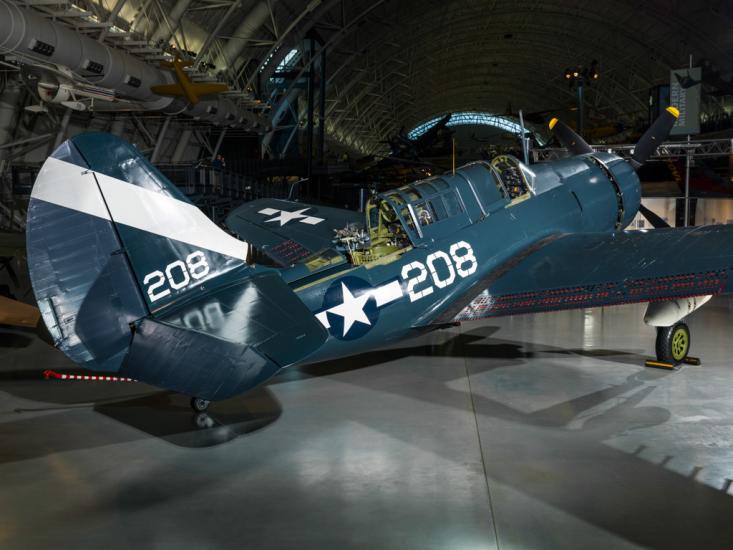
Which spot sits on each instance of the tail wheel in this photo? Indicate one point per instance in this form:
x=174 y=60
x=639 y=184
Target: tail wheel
x=673 y=343
x=199 y=405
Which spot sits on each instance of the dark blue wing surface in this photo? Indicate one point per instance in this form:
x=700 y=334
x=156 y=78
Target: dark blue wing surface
x=289 y=232
x=576 y=271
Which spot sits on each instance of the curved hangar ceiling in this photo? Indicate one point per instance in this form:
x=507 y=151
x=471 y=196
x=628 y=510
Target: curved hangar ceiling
x=410 y=60
x=393 y=64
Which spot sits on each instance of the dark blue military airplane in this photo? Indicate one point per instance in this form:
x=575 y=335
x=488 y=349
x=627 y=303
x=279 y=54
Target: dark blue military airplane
x=131 y=278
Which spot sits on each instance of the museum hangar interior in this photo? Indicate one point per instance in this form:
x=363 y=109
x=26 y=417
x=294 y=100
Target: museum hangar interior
x=366 y=274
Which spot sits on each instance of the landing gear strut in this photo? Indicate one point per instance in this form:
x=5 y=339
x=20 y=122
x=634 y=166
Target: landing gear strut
x=199 y=405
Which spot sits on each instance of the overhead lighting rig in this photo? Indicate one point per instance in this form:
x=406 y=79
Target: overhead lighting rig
x=582 y=75
x=579 y=77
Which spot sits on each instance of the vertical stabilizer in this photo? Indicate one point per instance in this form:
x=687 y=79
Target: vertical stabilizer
x=111 y=240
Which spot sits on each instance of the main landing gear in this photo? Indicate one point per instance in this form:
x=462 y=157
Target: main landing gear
x=673 y=343
x=199 y=405
x=673 y=346
x=673 y=334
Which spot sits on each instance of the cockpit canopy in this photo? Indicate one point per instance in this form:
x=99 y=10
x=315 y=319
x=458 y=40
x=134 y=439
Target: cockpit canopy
x=436 y=206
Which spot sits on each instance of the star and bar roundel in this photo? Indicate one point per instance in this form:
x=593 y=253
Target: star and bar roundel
x=351 y=306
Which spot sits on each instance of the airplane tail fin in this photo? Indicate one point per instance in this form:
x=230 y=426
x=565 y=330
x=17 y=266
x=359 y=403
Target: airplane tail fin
x=110 y=241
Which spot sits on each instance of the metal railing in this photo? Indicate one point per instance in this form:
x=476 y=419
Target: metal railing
x=667 y=150
x=204 y=182
x=213 y=190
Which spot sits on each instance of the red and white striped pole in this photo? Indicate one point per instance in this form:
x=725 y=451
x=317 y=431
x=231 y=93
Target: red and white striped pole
x=49 y=374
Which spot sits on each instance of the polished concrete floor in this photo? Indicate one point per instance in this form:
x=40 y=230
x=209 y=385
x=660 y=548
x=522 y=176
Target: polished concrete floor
x=528 y=432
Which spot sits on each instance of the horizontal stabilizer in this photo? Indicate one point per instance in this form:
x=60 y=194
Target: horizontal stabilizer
x=206 y=366
x=226 y=342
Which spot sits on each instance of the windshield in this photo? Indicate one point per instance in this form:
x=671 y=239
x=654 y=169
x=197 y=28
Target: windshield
x=511 y=174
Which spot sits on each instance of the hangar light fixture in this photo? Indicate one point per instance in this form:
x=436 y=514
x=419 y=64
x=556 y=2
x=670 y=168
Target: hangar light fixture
x=578 y=78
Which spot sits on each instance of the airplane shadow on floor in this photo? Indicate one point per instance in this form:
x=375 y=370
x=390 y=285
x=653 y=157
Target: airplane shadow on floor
x=163 y=415
x=537 y=453
x=14 y=339
x=152 y=412
x=168 y=416
x=466 y=345
x=560 y=454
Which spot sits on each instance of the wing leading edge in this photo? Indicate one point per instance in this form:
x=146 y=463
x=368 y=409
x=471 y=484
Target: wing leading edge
x=591 y=270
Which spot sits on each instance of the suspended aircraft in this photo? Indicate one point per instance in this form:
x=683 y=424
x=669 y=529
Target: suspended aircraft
x=132 y=278
x=436 y=141
x=52 y=83
x=192 y=91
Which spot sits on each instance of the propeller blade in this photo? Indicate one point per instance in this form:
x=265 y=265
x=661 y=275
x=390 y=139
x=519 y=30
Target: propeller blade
x=569 y=139
x=652 y=218
x=654 y=136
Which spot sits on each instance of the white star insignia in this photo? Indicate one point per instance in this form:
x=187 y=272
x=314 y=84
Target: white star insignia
x=284 y=216
x=352 y=308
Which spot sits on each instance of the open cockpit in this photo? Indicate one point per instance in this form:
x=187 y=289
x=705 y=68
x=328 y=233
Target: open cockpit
x=400 y=219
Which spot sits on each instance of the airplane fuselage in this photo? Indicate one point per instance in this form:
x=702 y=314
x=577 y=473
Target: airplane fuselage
x=130 y=277
x=373 y=305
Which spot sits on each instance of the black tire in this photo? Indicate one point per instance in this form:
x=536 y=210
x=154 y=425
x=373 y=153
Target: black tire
x=199 y=405
x=673 y=343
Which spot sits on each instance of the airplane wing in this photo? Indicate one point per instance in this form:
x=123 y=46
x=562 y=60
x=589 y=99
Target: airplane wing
x=289 y=232
x=208 y=88
x=591 y=270
x=18 y=314
x=168 y=89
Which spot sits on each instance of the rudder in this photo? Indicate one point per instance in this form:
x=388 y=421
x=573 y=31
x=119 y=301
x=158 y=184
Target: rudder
x=111 y=240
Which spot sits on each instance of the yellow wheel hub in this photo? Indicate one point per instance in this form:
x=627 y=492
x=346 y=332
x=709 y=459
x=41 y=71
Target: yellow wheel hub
x=680 y=344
